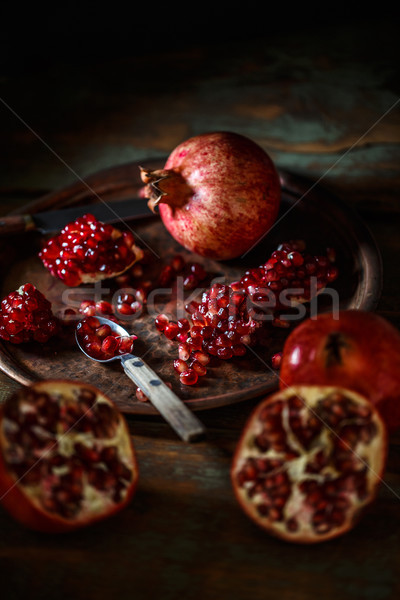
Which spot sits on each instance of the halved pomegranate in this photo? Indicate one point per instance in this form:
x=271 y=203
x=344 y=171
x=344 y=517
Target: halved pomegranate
x=66 y=456
x=309 y=461
x=26 y=315
x=88 y=250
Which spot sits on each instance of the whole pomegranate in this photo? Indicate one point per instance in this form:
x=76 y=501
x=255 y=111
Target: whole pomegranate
x=218 y=194
x=359 y=350
x=66 y=456
x=309 y=461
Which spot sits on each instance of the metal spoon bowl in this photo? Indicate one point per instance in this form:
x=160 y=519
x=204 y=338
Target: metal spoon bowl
x=169 y=405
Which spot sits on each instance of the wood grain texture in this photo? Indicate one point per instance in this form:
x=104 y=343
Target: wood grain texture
x=324 y=221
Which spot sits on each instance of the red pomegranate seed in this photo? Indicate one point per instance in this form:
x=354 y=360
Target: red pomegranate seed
x=125 y=344
x=189 y=377
x=140 y=395
x=180 y=365
x=224 y=353
x=161 y=321
x=183 y=325
x=103 y=331
x=104 y=307
x=182 y=337
x=166 y=276
x=178 y=263
x=239 y=349
x=201 y=357
x=184 y=351
x=109 y=345
x=171 y=330
x=200 y=369
x=276 y=360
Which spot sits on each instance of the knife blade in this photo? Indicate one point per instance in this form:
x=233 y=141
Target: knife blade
x=52 y=221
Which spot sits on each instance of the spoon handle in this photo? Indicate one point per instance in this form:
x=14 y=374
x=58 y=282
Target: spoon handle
x=174 y=411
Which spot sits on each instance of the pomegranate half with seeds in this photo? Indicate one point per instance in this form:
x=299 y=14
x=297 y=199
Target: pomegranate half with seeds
x=26 y=315
x=309 y=461
x=218 y=194
x=88 y=250
x=66 y=456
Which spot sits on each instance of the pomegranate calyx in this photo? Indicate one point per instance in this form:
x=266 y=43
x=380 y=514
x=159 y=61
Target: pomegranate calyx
x=335 y=345
x=166 y=186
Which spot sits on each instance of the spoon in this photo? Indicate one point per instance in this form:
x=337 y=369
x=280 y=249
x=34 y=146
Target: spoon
x=172 y=408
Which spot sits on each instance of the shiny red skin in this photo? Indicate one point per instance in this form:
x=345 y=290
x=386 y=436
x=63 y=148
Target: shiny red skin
x=234 y=195
x=370 y=360
x=19 y=505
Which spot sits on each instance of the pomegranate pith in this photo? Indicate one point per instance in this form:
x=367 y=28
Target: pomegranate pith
x=66 y=456
x=309 y=461
x=26 y=315
x=88 y=250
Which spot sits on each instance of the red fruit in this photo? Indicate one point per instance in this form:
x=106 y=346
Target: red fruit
x=66 y=456
x=99 y=340
x=87 y=251
x=189 y=377
x=358 y=350
x=309 y=461
x=218 y=194
x=26 y=315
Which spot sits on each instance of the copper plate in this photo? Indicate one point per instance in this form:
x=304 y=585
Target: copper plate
x=307 y=211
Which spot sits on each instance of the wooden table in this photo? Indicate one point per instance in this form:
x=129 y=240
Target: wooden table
x=323 y=101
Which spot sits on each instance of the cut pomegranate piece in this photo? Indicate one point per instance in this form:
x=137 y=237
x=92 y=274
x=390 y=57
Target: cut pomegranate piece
x=310 y=459
x=66 y=456
x=26 y=315
x=88 y=250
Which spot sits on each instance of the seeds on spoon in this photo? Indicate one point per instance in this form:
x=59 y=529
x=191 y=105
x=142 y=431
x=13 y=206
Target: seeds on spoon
x=100 y=342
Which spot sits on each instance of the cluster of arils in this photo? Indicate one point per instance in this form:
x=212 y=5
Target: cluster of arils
x=227 y=318
x=88 y=250
x=26 y=315
x=192 y=273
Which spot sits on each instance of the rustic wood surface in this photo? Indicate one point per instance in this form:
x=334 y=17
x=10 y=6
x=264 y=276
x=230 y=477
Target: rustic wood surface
x=323 y=101
x=325 y=222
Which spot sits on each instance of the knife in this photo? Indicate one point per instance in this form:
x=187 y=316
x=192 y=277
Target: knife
x=54 y=220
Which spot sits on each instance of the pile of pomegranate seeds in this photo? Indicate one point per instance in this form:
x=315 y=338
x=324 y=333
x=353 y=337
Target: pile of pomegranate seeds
x=224 y=322
x=88 y=250
x=193 y=273
x=26 y=315
x=100 y=342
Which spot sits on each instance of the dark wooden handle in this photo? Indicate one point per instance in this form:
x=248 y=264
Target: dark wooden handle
x=16 y=224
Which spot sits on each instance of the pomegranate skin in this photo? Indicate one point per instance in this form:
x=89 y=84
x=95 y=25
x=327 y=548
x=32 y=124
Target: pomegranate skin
x=359 y=350
x=21 y=505
x=218 y=194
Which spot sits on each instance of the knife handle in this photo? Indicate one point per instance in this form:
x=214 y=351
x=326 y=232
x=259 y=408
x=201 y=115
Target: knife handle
x=16 y=224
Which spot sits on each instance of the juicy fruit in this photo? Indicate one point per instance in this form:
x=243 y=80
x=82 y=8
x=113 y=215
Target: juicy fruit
x=218 y=194
x=66 y=456
x=26 y=315
x=309 y=461
x=100 y=341
x=88 y=250
x=356 y=349
x=228 y=318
